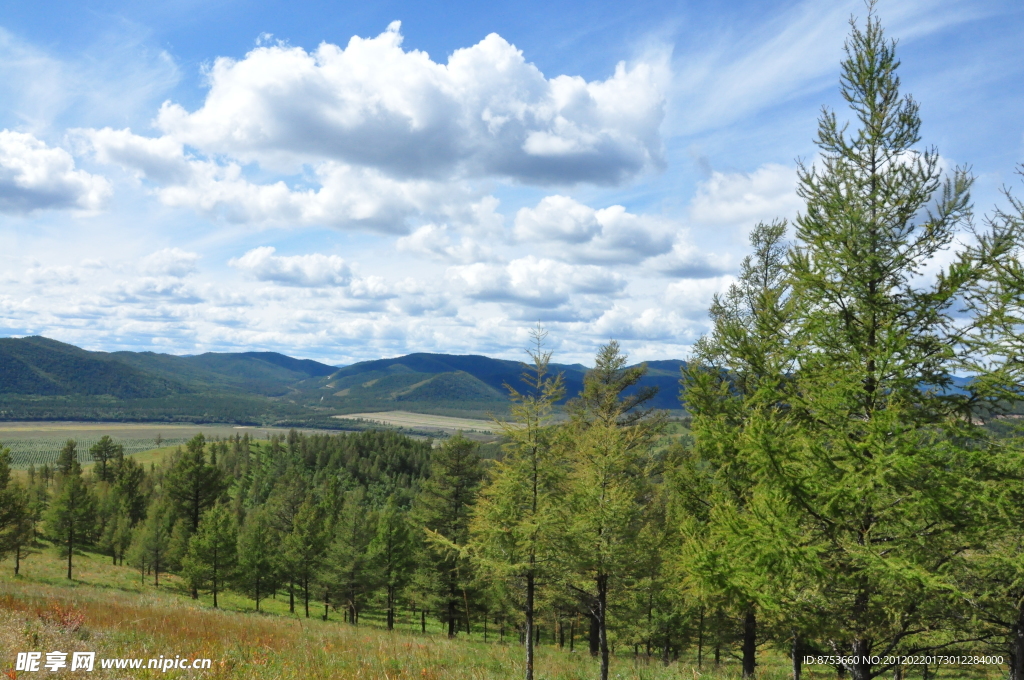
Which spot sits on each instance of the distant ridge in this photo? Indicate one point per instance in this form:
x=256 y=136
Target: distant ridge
x=42 y=378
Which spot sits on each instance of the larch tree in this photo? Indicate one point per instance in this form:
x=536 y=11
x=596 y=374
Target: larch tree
x=517 y=521
x=994 y=585
x=212 y=553
x=103 y=451
x=391 y=554
x=67 y=458
x=305 y=546
x=443 y=508
x=258 y=559
x=152 y=539
x=16 y=526
x=71 y=517
x=193 y=484
x=881 y=466
x=734 y=385
x=609 y=486
x=348 y=563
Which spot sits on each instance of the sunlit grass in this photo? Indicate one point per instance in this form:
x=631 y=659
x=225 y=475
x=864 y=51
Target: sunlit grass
x=127 y=616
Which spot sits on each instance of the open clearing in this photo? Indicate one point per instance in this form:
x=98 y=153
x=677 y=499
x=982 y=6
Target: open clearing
x=39 y=442
x=117 y=613
x=425 y=421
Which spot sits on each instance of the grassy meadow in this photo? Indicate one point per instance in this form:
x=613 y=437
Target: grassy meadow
x=112 y=611
x=39 y=443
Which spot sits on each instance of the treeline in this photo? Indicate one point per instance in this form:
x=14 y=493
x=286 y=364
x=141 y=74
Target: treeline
x=841 y=494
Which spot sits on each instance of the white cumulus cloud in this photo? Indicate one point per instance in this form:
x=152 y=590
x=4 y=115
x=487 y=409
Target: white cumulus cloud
x=535 y=282
x=609 y=235
x=307 y=271
x=34 y=176
x=744 y=198
x=170 y=262
x=374 y=104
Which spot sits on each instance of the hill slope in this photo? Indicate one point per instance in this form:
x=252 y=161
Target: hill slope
x=380 y=382
x=46 y=379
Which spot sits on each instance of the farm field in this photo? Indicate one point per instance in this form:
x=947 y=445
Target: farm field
x=38 y=443
x=425 y=421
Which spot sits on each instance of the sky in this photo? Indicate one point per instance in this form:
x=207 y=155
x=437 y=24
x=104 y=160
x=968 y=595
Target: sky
x=349 y=181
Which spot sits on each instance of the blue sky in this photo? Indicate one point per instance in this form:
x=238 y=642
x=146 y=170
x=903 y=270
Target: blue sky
x=346 y=181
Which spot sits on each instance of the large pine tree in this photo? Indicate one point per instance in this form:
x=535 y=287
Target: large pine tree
x=517 y=521
x=882 y=470
x=71 y=517
x=735 y=390
x=609 y=487
x=443 y=508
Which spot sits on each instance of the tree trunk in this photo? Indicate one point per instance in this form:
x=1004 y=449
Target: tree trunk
x=71 y=549
x=327 y=600
x=797 y=654
x=452 y=619
x=749 y=642
x=423 y=620
x=700 y=640
x=602 y=606
x=595 y=635
x=291 y=596
x=1017 y=647
x=305 y=593
x=861 y=653
x=391 y=607
x=17 y=559
x=528 y=611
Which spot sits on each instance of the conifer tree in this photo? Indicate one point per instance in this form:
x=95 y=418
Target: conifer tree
x=348 y=558
x=258 y=563
x=16 y=527
x=882 y=470
x=151 y=540
x=517 y=520
x=103 y=451
x=306 y=544
x=129 y=487
x=443 y=507
x=609 y=487
x=994 y=586
x=212 y=552
x=733 y=386
x=67 y=458
x=391 y=554
x=71 y=517
x=193 y=485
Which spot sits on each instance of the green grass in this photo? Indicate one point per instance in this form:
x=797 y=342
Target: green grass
x=124 y=615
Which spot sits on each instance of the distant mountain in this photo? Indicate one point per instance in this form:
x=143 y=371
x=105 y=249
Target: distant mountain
x=46 y=379
x=40 y=366
x=468 y=379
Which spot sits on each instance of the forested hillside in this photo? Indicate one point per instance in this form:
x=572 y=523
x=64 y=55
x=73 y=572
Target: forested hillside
x=42 y=379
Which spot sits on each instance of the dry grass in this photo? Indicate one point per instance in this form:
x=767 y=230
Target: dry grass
x=108 y=610
x=425 y=421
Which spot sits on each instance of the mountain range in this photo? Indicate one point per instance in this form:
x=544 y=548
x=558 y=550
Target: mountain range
x=42 y=378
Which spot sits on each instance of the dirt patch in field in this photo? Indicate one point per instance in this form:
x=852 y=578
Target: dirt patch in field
x=425 y=421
